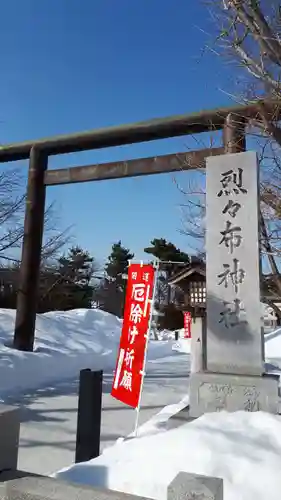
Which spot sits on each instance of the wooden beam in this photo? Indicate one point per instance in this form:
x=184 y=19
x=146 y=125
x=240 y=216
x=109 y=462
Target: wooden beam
x=131 y=168
x=234 y=134
x=151 y=130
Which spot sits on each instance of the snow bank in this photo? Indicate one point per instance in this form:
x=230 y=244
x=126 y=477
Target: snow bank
x=170 y=334
x=157 y=423
x=166 y=335
x=182 y=345
x=273 y=344
x=66 y=342
x=244 y=449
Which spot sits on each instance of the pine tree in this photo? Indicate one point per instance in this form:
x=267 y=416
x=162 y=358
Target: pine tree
x=77 y=266
x=113 y=288
x=167 y=252
x=170 y=255
x=118 y=263
x=68 y=285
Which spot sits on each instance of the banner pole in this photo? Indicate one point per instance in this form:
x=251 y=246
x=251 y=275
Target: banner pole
x=156 y=267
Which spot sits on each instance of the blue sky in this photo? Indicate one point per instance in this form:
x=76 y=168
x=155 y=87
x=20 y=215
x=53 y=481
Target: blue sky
x=73 y=65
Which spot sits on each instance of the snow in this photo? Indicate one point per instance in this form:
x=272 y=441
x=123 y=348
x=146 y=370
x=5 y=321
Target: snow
x=49 y=414
x=273 y=345
x=170 y=335
x=244 y=449
x=44 y=384
x=182 y=345
x=166 y=335
x=156 y=424
x=66 y=342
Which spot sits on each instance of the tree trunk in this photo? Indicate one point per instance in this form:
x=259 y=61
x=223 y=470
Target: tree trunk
x=267 y=246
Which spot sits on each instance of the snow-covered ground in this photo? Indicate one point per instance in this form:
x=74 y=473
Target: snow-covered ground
x=69 y=341
x=49 y=415
x=45 y=383
x=272 y=349
x=242 y=448
x=65 y=343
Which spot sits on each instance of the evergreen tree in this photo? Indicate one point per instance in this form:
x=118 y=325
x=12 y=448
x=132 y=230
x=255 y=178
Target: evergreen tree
x=67 y=285
x=109 y=297
x=113 y=288
x=167 y=252
x=117 y=264
x=170 y=255
x=77 y=266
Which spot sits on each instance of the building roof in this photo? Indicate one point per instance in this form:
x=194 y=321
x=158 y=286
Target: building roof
x=187 y=272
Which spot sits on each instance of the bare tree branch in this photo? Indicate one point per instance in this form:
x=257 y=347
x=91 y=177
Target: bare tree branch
x=249 y=35
x=12 y=208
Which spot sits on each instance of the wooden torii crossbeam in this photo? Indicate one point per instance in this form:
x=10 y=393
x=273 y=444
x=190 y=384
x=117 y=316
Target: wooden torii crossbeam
x=232 y=120
x=131 y=168
x=161 y=128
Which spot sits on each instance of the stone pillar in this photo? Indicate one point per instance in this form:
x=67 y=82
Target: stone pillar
x=196 y=345
x=234 y=377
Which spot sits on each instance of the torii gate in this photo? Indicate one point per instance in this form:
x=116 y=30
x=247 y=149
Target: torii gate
x=232 y=120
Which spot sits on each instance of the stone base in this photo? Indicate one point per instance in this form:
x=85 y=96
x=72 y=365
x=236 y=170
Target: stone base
x=9 y=436
x=213 y=392
x=187 y=486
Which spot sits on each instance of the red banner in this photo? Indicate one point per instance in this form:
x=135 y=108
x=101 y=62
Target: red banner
x=187 y=325
x=129 y=367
